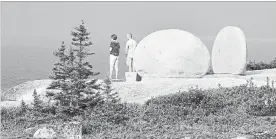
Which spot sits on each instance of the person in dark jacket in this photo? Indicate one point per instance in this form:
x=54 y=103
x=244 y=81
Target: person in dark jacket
x=114 y=55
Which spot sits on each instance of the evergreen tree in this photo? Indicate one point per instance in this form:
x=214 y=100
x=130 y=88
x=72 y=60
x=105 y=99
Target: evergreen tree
x=59 y=70
x=83 y=69
x=37 y=104
x=23 y=107
x=110 y=96
x=72 y=74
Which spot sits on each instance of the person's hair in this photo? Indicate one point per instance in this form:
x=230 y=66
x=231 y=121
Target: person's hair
x=130 y=34
x=114 y=36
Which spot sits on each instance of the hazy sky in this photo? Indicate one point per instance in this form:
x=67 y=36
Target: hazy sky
x=32 y=30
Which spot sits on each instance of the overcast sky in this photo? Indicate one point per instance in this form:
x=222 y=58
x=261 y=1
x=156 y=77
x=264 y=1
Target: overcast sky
x=34 y=23
x=32 y=30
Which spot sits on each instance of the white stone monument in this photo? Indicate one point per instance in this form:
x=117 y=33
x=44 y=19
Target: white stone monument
x=171 y=53
x=229 y=52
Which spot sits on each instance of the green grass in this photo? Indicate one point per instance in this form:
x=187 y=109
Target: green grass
x=221 y=113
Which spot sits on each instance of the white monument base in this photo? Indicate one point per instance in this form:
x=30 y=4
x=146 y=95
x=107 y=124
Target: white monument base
x=117 y=80
x=132 y=77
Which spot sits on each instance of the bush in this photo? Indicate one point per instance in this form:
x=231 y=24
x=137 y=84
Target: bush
x=108 y=115
x=213 y=113
x=37 y=104
x=262 y=102
x=252 y=65
x=23 y=107
x=222 y=110
x=223 y=100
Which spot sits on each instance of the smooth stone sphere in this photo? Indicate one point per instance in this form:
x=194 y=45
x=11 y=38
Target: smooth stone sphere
x=229 y=52
x=171 y=53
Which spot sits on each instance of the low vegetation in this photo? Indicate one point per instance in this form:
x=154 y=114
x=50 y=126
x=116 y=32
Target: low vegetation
x=214 y=113
x=252 y=65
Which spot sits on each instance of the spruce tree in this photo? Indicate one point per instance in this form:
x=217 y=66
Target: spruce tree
x=110 y=96
x=72 y=74
x=59 y=70
x=23 y=107
x=37 y=104
x=83 y=69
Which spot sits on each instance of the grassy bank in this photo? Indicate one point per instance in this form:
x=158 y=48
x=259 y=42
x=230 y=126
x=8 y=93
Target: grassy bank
x=220 y=113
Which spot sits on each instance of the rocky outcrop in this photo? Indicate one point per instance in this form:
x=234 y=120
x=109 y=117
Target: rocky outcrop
x=141 y=91
x=24 y=92
x=67 y=130
x=45 y=132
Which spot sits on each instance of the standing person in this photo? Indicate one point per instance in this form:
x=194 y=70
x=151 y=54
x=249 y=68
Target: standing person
x=114 y=55
x=130 y=48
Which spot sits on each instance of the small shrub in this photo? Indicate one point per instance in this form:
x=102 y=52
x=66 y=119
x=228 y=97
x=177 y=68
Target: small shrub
x=106 y=116
x=37 y=104
x=110 y=96
x=23 y=107
x=262 y=102
x=252 y=65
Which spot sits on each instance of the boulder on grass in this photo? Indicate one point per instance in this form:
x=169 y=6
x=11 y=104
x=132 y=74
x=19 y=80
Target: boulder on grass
x=45 y=132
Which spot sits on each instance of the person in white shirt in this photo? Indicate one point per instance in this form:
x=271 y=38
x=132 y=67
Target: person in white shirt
x=130 y=48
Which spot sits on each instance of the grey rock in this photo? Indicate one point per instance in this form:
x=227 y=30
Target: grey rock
x=240 y=137
x=45 y=132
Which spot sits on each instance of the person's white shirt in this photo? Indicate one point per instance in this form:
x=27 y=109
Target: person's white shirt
x=130 y=47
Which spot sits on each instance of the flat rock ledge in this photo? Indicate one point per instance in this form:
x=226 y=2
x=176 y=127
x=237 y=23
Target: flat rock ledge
x=139 y=92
